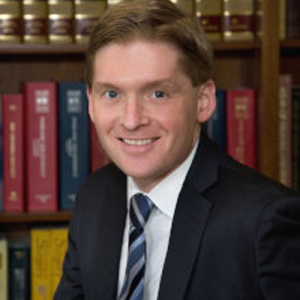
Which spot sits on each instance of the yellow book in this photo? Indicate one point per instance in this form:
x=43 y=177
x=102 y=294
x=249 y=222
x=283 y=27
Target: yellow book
x=40 y=264
x=3 y=269
x=59 y=244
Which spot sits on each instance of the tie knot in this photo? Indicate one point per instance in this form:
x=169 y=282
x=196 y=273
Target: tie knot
x=140 y=208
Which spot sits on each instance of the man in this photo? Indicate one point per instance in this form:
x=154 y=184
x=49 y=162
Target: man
x=173 y=217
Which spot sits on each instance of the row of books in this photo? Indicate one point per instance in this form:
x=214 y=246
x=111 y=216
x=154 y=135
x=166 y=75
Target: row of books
x=31 y=267
x=233 y=127
x=49 y=146
x=71 y=21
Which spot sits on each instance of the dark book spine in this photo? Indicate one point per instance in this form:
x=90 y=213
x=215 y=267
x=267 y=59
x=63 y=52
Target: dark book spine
x=73 y=140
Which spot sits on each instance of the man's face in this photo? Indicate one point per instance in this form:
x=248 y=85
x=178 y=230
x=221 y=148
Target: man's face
x=145 y=109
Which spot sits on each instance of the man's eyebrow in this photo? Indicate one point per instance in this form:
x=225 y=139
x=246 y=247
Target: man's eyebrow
x=103 y=85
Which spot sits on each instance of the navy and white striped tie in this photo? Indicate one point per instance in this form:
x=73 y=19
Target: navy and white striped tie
x=133 y=287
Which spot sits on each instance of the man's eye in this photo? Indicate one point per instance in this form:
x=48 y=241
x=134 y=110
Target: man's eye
x=158 y=94
x=111 y=94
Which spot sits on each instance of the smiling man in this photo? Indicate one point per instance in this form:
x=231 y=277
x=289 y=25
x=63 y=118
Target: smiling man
x=173 y=217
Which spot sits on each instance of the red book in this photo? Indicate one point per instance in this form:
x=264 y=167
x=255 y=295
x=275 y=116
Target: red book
x=98 y=156
x=241 y=126
x=41 y=141
x=13 y=153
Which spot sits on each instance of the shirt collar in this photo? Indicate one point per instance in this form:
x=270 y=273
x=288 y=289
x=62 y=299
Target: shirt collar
x=164 y=196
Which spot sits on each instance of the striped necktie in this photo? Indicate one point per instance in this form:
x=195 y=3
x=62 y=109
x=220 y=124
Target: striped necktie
x=133 y=287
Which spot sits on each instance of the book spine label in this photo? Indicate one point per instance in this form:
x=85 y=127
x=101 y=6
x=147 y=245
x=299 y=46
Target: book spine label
x=13 y=152
x=241 y=126
x=209 y=14
x=74 y=140
x=238 y=18
x=41 y=140
x=61 y=21
x=40 y=264
x=10 y=21
x=35 y=14
x=87 y=14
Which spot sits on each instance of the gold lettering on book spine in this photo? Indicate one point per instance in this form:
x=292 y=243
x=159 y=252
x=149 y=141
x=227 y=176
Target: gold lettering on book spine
x=10 y=21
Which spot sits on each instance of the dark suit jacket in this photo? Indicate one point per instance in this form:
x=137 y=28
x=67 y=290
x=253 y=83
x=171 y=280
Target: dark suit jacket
x=235 y=235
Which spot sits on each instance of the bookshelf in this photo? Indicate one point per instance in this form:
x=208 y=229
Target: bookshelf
x=253 y=64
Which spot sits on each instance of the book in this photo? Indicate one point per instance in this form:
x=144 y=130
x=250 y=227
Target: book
x=48 y=249
x=35 y=15
x=282 y=19
x=216 y=125
x=296 y=137
x=241 y=133
x=60 y=26
x=1 y=157
x=209 y=14
x=98 y=156
x=285 y=130
x=87 y=13
x=40 y=270
x=19 y=269
x=59 y=245
x=186 y=6
x=10 y=21
x=293 y=19
x=74 y=143
x=238 y=20
x=13 y=153
x=3 y=268
x=41 y=144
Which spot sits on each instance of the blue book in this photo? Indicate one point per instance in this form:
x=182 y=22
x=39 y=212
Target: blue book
x=73 y=140
x=216 y=125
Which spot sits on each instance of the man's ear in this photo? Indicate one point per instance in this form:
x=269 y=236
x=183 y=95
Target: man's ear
x=206 y=101
x=91 y=104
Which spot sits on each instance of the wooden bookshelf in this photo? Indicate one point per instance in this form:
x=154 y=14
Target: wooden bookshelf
x=255 y=64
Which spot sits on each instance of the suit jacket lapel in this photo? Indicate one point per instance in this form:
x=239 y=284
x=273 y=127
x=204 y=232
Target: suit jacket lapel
x=191 y=215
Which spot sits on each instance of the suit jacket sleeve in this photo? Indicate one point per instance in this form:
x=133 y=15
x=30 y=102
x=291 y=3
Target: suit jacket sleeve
x=70 y=286
x=278 y=249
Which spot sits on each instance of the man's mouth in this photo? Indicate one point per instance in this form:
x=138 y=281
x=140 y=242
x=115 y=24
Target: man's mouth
x=137 y=142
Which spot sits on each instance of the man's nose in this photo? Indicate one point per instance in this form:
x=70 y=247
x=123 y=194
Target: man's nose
x=133 y=115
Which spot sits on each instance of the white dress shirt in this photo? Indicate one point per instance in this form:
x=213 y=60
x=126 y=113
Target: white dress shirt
x=158 y=227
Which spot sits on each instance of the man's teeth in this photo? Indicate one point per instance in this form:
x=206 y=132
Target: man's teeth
x=137 y=142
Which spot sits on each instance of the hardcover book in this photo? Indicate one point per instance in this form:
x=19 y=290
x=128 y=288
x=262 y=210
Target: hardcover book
x=41 y=142
x=209 y=14
x=238 y=20
x=3 y=268
x=40 y=264
x=60 y=27
x=35 y=14
x=59 y=245
x=296 y=137
x=241 y=133
x=285 y=130
x=10 y=21
x=73 y=140
x=293 y=19
x=19 y=269
x=216 y=125
x=87 y=13
x=13 y=152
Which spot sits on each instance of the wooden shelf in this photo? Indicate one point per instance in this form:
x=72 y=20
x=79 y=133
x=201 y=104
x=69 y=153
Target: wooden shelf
x=61 y=216
x=290 y=44
x=25 y=49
